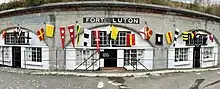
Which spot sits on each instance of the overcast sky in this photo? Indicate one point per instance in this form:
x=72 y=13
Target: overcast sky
x=1 y=1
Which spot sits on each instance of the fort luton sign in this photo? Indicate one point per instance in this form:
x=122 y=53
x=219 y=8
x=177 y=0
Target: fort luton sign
x=111 y=20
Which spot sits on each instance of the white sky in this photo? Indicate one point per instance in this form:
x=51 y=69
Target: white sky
x=1 y=1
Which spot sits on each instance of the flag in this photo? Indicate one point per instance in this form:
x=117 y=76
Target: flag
x=142 y=32
x=114 y=32
x=185 y=36
x=3 y=34
x=130 y=39
x=49 y=30
x=96 y=34
x=159 y=39
x=176 y=34
x=146 y=32
x=211 y=37
x=71 y=31
x=192 y=35
x=78 y=28
x=17 y=31
x=62 y=35
x=108 y=29
x=149 y=33
x=40 y=34
x=169 y=37
x=86 y=38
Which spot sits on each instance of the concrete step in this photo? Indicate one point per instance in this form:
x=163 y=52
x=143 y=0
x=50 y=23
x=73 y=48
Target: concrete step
x=112 y=69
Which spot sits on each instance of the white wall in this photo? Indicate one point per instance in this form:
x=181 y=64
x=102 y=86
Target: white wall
x=180 y=64
x=189 y=64
x=26 y=63
x=70 y=58
x=34 y=42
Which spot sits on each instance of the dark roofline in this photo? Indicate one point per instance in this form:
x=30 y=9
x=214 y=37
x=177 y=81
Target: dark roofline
x=52 y=6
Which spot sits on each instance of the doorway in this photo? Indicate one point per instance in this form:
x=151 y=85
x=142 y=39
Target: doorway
x=196 y=56
x=110 y=59
x=16 y=57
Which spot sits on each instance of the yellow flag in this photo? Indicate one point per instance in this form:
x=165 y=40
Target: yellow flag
x=78 y=28
x=49 y=30
x=114 y=32
x=169 y=37
x=185 y=36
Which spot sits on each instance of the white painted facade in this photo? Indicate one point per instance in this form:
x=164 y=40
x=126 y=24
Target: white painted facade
x=26 y=61
x=147 y=60
x=204 y=62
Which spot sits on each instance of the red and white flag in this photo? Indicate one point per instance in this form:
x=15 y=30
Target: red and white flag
x=62 y=35
x=130 y=39
x=146 y=32
x=71 y=30
x=96 y=34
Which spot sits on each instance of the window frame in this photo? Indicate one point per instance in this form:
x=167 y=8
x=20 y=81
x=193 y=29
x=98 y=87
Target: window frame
x=34 y=54
x=182 y=54
x=12 y=39
x=199 y=41
x=207 y=52
x=138 y=53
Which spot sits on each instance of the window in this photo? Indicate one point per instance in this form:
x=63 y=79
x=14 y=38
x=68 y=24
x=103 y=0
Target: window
x=132 y=55
x=103 y=39
x=12 y=39
x=121 y=39
x=5 y=53
x=181 y=54
x=34 y=54
x=207 y=52
x=200 y=40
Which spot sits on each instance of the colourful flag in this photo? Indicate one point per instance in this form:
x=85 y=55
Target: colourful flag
x=169 y=37
x=130 y=39
x=185 y=36
x=17 y=31
x=40 y=34
x=96 y=33
x=71 y=31
x=146 y=32
x=149 y=33
x=211 y=37
x=114 y=32
x=159 y=39
x=62 y=35
x=78 y=28
x=3 y=34
x=86 y=38
x=192 y=35
x=49 y=30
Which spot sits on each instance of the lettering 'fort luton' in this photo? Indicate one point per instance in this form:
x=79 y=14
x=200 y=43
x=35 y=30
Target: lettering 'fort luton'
x=111 y=20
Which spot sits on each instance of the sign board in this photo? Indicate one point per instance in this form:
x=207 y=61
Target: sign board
x=105 y=54
x=111 y=20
